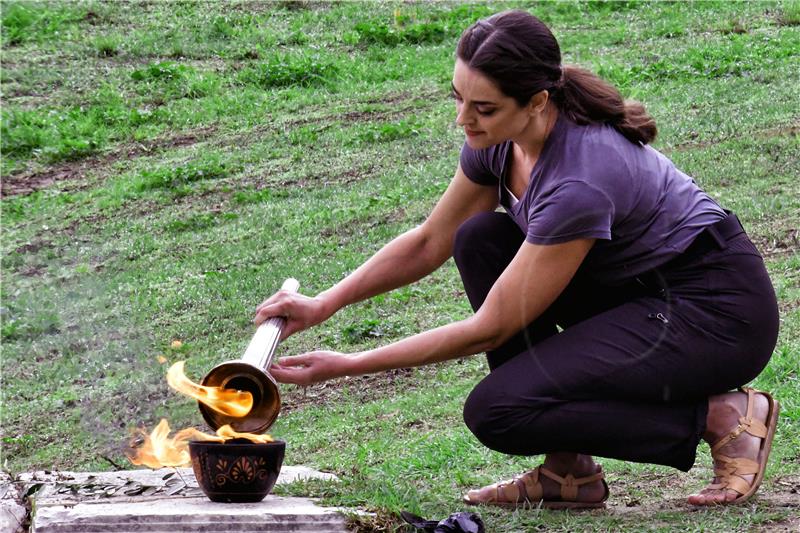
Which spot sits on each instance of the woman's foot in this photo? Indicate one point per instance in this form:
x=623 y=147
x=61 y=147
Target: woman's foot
x=564 y=481
x=739 y=445
x=579 y=466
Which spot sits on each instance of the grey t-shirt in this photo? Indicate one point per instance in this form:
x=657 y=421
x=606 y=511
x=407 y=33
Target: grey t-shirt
x=591 y=182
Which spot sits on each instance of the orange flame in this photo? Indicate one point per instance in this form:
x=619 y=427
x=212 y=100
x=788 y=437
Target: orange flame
x=229 y=402
x=226 y=432
x=158 y=449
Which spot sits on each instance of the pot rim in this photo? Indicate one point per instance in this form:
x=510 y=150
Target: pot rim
x=276 y=442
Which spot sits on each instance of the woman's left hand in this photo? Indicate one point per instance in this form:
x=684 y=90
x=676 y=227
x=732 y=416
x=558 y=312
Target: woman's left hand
x=311 y=367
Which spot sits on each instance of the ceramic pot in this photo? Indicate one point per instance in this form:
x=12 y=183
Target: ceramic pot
x=238 y=470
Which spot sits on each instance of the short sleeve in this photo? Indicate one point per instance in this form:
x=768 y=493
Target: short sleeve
x=574 y=210
x=477 y=165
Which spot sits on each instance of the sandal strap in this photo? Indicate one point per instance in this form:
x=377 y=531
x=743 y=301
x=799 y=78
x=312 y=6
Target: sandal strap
x=729 y=472
x=738 y=466
x=524 y=488
x=747 y=423
x=527 y=488
x=569 y=483
x=532 y=487
x=507 y=492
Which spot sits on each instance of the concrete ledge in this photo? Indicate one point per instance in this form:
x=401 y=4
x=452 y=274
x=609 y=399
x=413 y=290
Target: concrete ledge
x=177 y=514
x=166 y=500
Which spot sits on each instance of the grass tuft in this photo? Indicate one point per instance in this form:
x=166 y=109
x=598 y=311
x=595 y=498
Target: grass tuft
x=176 y=177
x=382 y=133
x=107 y=45
x=789 y=13
x=284 y=70
x=54 y=135
x=252 y=196
x=406 y=28
x=29 y=21
x=163 y=71
x=196 y=223
x=425 y=32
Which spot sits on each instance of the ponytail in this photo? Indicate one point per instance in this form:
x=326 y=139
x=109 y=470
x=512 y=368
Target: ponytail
x=520 y=54
x=587 y=99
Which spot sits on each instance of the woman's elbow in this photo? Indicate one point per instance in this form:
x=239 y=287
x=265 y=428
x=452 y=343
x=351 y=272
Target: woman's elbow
x=486 y=334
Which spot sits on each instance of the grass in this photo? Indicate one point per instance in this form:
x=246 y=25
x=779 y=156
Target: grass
x=166 y=165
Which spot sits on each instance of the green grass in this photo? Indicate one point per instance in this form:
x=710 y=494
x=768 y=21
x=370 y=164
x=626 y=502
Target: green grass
x=169 y=164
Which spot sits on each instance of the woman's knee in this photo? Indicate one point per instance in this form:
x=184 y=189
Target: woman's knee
x=479 y=416
x=497 y=420
x=484 y=233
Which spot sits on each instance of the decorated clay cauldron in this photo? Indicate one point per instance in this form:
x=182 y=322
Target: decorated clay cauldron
x=237 y=470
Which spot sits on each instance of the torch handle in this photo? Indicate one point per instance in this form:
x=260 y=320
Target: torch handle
x=262 y=346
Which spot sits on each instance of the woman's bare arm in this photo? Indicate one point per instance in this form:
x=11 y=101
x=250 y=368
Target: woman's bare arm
x=533 y=280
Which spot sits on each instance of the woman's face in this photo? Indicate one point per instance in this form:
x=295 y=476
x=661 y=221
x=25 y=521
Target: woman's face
x=487 y=115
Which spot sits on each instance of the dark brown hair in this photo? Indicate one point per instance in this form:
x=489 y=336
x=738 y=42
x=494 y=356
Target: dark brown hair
x=520 y=54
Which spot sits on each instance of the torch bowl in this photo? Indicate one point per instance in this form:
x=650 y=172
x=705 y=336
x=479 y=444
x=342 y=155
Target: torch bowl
x=237 y=470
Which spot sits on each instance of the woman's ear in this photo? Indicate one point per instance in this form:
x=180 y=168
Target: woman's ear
x=538 y=102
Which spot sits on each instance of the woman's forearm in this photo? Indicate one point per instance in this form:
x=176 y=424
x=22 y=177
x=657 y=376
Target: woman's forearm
x=406 y=259
x=451 y=341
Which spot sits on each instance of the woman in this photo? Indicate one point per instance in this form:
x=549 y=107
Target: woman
x=663 y=302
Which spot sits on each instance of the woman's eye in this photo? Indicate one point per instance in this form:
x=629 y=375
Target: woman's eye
x=486 y=112
x=455 y=97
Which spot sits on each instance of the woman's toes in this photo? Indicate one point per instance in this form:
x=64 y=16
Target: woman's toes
x=711 y=497
x=703 y=498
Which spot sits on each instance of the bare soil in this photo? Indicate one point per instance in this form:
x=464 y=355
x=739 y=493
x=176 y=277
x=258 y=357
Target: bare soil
x=366 y=388
x=779 y=131
x=77 y=172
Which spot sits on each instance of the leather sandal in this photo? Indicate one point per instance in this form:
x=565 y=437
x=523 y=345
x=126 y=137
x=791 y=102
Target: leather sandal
x=728 y=471
x=526 y=490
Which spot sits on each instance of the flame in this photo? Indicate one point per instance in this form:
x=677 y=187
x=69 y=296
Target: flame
x=226 y=432
x=158 y=449
x=229 y=402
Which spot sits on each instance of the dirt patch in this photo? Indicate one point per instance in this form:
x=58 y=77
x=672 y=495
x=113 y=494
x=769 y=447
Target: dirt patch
x=345 y=231
x=396 y=97
x=76 y=172
x=371 y=115
x=34 y=246
x=366 y=388
x=778 y=246
x=28 y=183
x=33 y=271
x=160 y=144
x=634 y=498
x=338 y=178
x=350 y=117
x=786 y=306
x=94 y=219
x=778 y=131
x=326 y=120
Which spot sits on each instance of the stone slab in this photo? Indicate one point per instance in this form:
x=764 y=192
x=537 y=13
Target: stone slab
x=165 y=500
x=179 y=514
x=12 y=512
x=54 y=481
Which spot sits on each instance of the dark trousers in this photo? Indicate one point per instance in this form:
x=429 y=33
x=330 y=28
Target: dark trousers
x=630 y=372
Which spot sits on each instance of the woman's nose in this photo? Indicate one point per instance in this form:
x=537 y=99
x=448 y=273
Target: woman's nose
x=462 y=118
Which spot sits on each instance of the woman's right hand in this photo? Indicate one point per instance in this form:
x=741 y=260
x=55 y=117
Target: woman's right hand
x=301 y=312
